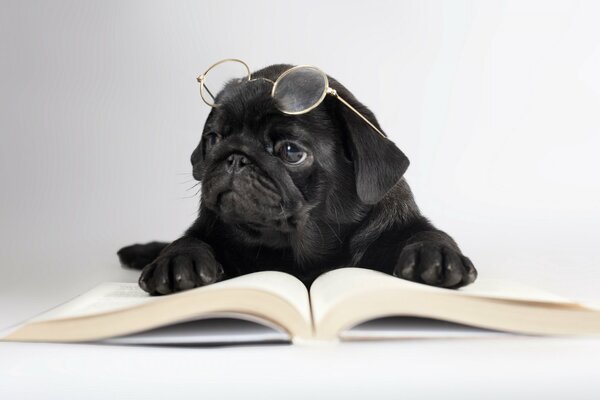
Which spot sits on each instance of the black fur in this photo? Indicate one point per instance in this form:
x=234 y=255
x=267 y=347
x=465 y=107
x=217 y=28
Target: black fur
x=345 y=205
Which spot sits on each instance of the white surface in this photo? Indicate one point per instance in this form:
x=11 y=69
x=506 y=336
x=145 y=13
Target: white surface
x=496 y=104
x=449 y=369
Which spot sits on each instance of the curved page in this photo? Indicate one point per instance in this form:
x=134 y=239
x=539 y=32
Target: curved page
x=118 y=309
x=344 y=298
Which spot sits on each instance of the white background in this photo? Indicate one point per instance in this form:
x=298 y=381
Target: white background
x=495 y=103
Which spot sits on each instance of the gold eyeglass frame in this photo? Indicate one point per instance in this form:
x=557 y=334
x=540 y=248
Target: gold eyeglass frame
x=328 y=90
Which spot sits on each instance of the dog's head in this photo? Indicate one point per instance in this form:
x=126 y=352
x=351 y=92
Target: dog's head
x=275 y=178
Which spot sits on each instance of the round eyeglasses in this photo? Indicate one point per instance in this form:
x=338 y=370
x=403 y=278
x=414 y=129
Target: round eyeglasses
x=297 y=91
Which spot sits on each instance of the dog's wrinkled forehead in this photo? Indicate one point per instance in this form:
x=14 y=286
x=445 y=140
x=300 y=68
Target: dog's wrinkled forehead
x=243 y=110
x=244 y=101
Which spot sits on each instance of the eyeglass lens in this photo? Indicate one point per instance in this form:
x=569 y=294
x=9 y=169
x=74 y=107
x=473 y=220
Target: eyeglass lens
x=300 y=89
x=220 y=75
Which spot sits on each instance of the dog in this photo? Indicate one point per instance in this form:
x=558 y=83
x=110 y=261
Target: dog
x=302 y=194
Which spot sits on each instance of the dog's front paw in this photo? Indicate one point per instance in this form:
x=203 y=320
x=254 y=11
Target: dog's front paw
x=181 y=266
x=435 y=264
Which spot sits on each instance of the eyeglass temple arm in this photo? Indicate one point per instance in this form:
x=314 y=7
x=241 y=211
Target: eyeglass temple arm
x=334 y=93
x=200 y=80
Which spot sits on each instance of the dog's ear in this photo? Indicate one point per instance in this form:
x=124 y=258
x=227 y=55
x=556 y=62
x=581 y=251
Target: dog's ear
x=378 y=163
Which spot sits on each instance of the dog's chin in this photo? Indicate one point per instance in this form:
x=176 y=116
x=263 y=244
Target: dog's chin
x=254 y=219
x=253 y=226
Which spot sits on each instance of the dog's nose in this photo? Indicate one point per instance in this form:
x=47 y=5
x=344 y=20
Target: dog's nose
x=235 y=162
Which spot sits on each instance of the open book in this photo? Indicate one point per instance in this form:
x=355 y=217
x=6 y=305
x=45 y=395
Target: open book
x=344 y=304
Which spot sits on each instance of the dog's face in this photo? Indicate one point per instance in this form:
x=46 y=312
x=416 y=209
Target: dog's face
x=275 y=179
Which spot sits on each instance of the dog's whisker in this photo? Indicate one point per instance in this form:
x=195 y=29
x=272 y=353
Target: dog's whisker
x=193 y=195
x=192 y=187
x=333 y=231
x=320 y=233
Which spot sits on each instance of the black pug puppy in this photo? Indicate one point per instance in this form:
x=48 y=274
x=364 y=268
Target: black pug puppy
x=302 y=194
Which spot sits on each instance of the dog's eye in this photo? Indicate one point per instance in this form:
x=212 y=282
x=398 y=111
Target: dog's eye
x=212 y=138
x=290 y=153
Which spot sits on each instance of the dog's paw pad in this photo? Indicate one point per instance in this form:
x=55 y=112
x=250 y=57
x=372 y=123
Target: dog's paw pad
x=175 y=271
x=435 y=264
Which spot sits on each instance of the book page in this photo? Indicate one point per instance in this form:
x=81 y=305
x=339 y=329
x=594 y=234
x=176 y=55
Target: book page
x=343 y=298
x=509 y=290
x=217 y=328
x=113 y=296
x=280 y=284
x=273 y=299
x=334 y=285
x=106 y=297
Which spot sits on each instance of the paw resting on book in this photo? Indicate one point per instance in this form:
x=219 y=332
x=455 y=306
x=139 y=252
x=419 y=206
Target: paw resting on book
x=184 y=264
x=435 y=264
